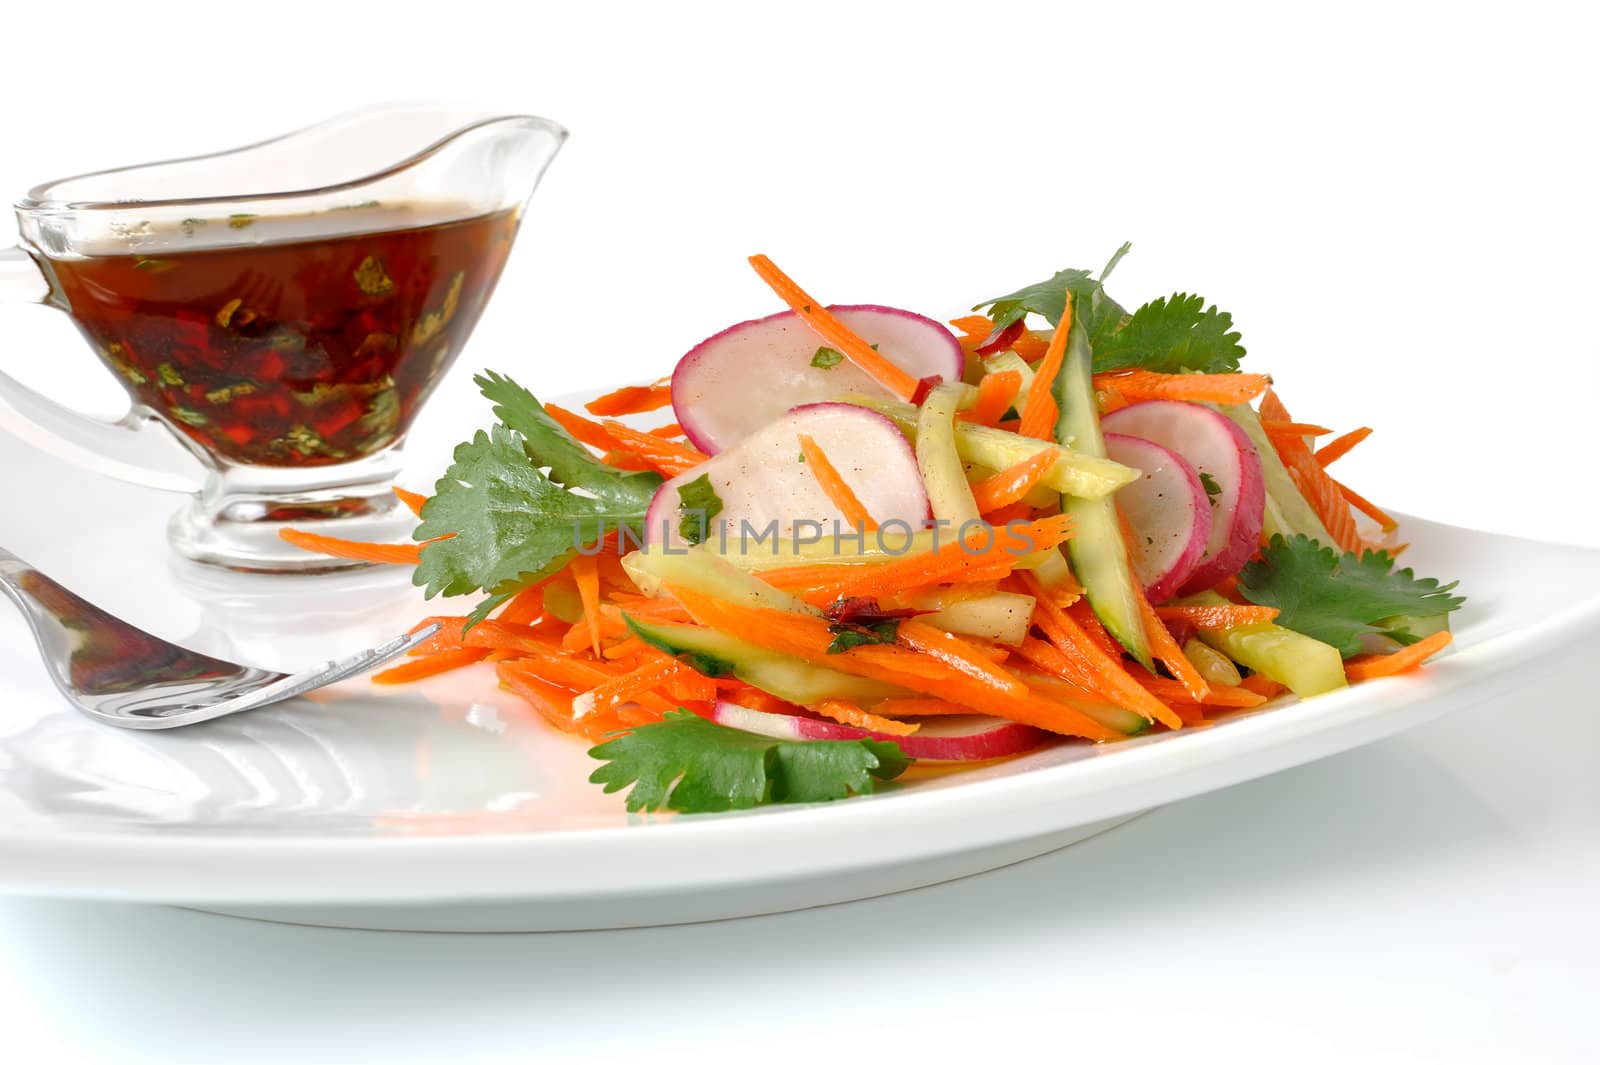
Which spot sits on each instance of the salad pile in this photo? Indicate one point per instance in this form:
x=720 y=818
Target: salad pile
x=865 y=541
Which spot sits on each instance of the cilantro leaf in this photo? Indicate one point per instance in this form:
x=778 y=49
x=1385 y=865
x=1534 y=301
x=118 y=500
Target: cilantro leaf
x=1048 y=299
x=1338 y=599
x=827 y=358
x=692 y=765
x=699 y=503
x=508 y=522
x=846 y=636
x=1171 y=335
x=1213 y=489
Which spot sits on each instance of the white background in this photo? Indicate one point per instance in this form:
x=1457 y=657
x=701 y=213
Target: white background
x=1396 y=202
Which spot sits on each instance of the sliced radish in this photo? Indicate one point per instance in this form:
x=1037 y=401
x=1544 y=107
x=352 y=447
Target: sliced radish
x=732 y=384
x=1168 y=511
x=957 y=738
x=1219 y=449
x=763 y=484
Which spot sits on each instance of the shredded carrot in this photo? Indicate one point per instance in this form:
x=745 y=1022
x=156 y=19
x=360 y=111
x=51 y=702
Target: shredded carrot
x=631 y=399
x=1040 y=411
x=838 y=492
x=672 y=430
x=582 y=429
x=1368 y=508
x=1194 y=388
x=627 y=460
x=1314 y=483
x=1166 y=650
x=524 y=607
x=635 y=683
x=586 y=572
x=835 y=332
x=997 y=393
x=1081 y=612
x=1300 y=429
x=1367 y=667
x=413 y=500
x=1217 y=617
x=449 y=634
x=554 y=704
x=807 y=637
x=848 y=713
x=1096 y=670
x=356 y=550
x=587 y=630
x=917 y=706
x=1030 y=346
x=1010 y=485
x=665 y=455
x=1262 y=685
x=500 y=635
x=1340 y=446
x=1228 y=695
x=430 y=665
x=954 y=652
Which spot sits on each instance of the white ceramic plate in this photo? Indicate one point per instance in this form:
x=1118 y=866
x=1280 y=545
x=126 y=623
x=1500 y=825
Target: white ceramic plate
x=447 y=805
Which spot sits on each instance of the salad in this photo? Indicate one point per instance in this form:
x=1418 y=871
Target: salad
x=855 y=540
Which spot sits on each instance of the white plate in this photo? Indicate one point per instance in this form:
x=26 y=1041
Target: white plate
x=447 y=805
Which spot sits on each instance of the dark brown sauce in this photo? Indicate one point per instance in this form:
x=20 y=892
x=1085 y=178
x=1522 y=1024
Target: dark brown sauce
x=307 y=352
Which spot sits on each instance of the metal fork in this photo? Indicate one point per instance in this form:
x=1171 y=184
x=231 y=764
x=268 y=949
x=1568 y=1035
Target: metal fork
x=123 y=676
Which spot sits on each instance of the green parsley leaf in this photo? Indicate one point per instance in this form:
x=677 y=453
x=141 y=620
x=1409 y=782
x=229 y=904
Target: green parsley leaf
x=699 y=503
x=1209 y=483
x=692 y=765
x=1338 y=599
x=827 y=358
x=1171 y=335
x=848 y=636
x=510 y=522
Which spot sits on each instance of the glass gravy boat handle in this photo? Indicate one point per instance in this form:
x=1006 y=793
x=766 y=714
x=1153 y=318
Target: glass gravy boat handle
x=136 y=447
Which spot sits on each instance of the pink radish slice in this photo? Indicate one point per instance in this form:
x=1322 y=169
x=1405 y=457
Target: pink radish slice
x=762 y=482
x=1216 y=447
x=1168 y=510
x=958 y=738
x=732 y=384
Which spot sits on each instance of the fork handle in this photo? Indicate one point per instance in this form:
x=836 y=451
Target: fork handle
x=137 y=447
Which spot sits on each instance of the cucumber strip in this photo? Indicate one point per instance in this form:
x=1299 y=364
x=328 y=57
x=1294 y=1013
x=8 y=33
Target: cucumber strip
x=717 y=654
x=1075 y=473
x=1110 y=715
x=1099 y=554
x=1305 y=666
x=708 y=573
x=949 y=495
x=999 y=616
x=1287 y=511
x=1213 y=666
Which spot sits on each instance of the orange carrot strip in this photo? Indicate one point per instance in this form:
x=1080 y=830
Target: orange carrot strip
x=448 y=636
x=917 y=706
x=499 y=635
x=582 y=429
x=358 y=550
x=627 y=460
x=1370 y=509
x=1166 y=650
x=1030 y=346
x=1081 y=612
x=630 y=399
x=834 y=487
x=847 y=713
x=1262 y=685
x=413 y=500
x=1010 y=485
x=974 y=325
x=671 y=430
x=1039 y=414
x=1300 y=429
x=808 y=638
x=524 y=607
x=554 y=704
x=1314 y=483
x=583 y=634
x=1217 y=617
x=956 y=653
x=630 y=685
x=1367 y=667
x=1195 y=388
x=430 y=665
x=1227 y=695
x=1340 y=446
x=997 y=393
x=665 y=455
x=586 y=572
x=835 y=332
x=1099 y=672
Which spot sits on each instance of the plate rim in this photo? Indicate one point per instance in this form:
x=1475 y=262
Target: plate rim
x=698 y=852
